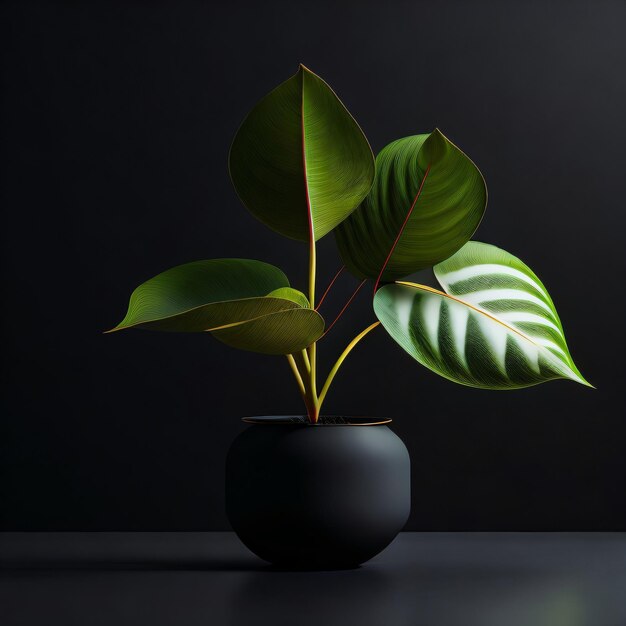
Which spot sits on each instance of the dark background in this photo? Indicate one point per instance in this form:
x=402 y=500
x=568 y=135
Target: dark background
x=116 y=122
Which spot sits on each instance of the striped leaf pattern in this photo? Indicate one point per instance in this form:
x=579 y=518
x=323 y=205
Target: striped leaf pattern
x=427 y=200
x=495 y=328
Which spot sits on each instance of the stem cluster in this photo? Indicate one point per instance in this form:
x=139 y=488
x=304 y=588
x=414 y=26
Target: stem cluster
x=304 y=364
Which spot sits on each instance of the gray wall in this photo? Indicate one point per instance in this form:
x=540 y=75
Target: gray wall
x=116 y=123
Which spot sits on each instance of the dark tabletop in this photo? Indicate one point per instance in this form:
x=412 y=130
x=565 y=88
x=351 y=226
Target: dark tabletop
x=430 y=579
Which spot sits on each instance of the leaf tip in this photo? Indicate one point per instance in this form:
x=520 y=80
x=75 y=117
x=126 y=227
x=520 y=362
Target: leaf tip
x=586 y=383
x=437 y=132
x=579 y=378
x=123 y=325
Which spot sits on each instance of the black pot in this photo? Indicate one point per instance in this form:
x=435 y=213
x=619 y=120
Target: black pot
x=330 y=495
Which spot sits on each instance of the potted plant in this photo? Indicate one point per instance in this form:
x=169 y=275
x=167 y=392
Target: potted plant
x=320 y=491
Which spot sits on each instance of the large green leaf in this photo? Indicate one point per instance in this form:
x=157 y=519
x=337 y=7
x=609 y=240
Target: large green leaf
x=223 y=296
x=196 y=296
x=496 y=328
x=427 y=200
x=299 y=162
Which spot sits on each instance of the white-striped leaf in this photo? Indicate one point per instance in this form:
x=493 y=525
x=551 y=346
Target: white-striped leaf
x=496 y=328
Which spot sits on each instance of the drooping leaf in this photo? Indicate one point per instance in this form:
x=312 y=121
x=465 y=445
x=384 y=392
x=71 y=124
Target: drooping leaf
x=284 y=332
x=227 y=297
x=427 y=200
x=497 y=328
x=299 y=162
x=197 y=296
x=289 y=293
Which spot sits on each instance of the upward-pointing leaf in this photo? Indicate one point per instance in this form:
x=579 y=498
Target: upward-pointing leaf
x=496 y=328
x=427 y=200
x=299 y=162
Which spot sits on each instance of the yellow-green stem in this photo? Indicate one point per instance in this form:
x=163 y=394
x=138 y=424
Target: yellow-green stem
x=340 y=360
x=312 y=270
x=309 y=396
x=313 y=383
x=310 y=359
x=296 y=373
x=307 y=363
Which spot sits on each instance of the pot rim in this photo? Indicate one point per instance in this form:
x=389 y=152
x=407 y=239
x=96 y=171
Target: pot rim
x=324 y=420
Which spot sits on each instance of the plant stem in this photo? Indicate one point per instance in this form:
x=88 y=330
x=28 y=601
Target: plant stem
x=310 y=400
x=312 y=268
x=340 y=360
x=305 y=358
x=296 y=373
x=332 y=282
x=347 y=304
x=301 y=360
x=313 y=382
x=310 y=360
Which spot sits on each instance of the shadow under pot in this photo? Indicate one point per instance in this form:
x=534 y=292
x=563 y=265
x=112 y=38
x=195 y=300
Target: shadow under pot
x=329 y=495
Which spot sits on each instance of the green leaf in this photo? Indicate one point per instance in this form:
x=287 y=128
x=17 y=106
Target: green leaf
x=284 y=332
x=496 y=328
x=197 y=296
x=288 y=293
x=299 y=162
x=427 y=200
x=227 y=298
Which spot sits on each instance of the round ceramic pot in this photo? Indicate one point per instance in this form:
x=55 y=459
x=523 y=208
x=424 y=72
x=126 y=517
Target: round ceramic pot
x=329 y=495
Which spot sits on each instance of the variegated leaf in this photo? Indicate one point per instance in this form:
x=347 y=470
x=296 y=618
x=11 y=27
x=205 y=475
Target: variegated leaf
x=496 y=328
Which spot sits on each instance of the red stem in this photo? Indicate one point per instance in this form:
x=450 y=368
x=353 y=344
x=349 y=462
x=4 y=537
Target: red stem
x=345 y=307
x=332 y=282
x=406 y=219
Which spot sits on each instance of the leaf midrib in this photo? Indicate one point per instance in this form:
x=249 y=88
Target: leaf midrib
x=304 y=164
x=406 y=221
x=551 y=357
x=201 y=306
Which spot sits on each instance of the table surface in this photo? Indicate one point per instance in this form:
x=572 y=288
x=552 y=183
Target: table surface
x=429 y=579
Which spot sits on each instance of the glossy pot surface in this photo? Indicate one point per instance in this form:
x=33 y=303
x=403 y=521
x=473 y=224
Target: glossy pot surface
x=329 y=495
